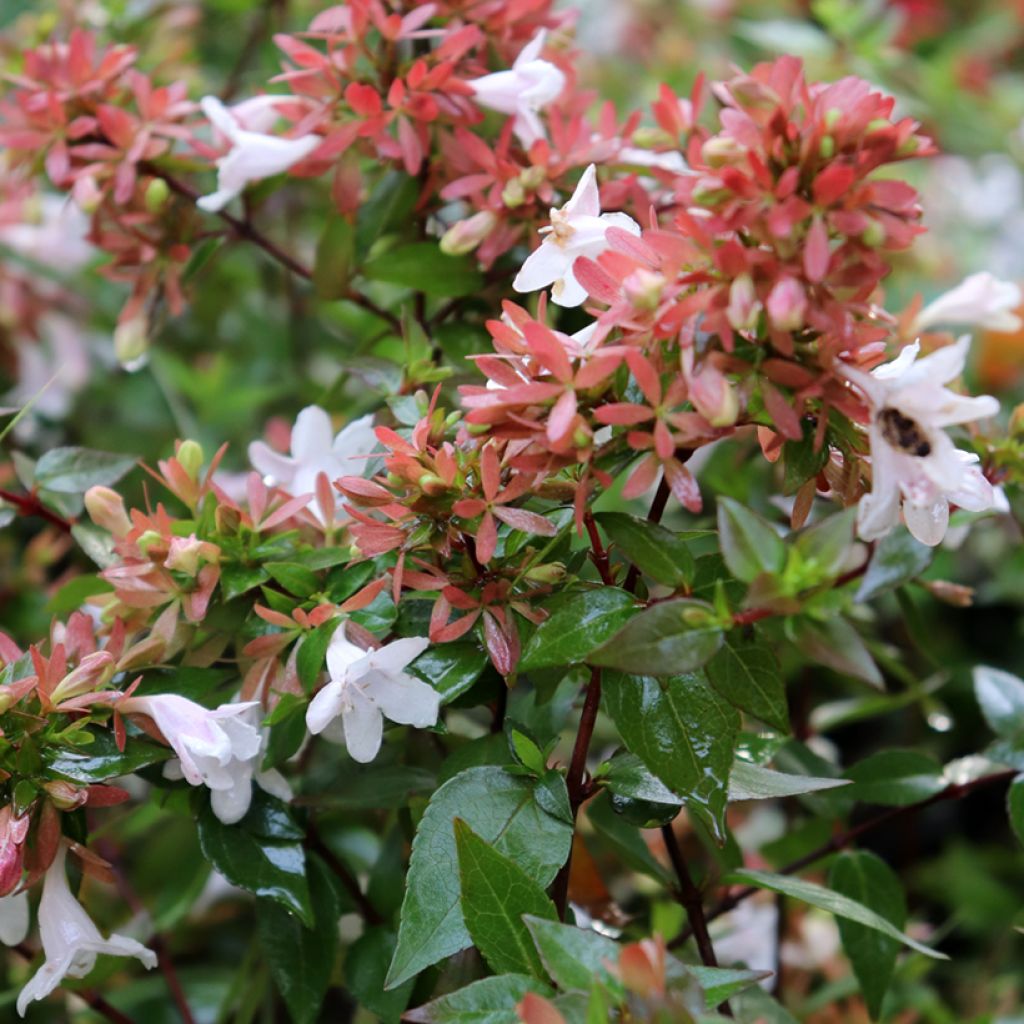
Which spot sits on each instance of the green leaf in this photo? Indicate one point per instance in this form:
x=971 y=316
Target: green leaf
x=650 y=547
x=895 y=778
x=754 y=782
x=837 y=645
x=750 y=546
x=1015 y=806
x=683 y=732
x=832 y=902
x=1001 y=698
x=389 y=206
x=722 y=983
x=295 y=578
x=503 y=810
x=271 y=865
x=572 y=956
x=488 y=1001
x=665 y=639
x=898 y=558
x=827 y=545
x=335 y=253
x=746 y=673
x=301 y=959
x=98 y=759
x=75 y=470
x=451 y=669
x=236 y=580
x=863 y=877
x=576 y=626
x=366 y=965
x=72 y=595
x=424 y=268
x=624 y=838
x=496 y=893
x=286 y=730
x=311 y=653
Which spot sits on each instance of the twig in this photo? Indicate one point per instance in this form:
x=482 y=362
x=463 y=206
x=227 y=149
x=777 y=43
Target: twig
x=598 y=554
x=260 y=25
x=315 y=842
x=850 y=836
x=87 y=995
x=30 y=505
x=657 y=510
x=693 y=903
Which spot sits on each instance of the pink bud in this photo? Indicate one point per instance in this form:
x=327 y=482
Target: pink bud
x=13 y=832
x=787 y=304
x=743 y=309
x=106 y=510
x=644 y=288
x=714 y=397
x=465 y=235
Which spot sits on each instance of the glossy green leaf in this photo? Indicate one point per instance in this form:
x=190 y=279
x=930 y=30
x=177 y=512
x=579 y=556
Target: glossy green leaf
x=1001 y=698
x=272 y=865
x=295 y=578
x=488 y=1001
x=309 y=661
x=576 y=626
x=99 y=760
x=335 y=253
x=571 y=956
x=1015 y=806
x=895 y=778
x=754 y=782
x=650 y=547
x=236 y=580
x=684 y=733
x=663 y=640
x=746 y=673
x=75 y=470
x=827 y=544
x=451 y=669
x=366 y=965
x=722 y=983
x=423 y=267
x=496 y=893
x=750 y=546
x=501 y=809
x=832 y=902
x=863 y=877
x=898 y=558
x=72 y=595
x=837 y=645
x=301 y=959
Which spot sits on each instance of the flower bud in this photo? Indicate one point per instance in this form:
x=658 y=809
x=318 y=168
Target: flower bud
x=156 y=195
x=644 y=288
x=86 y=194
x=186 y=553
x=652 y=138
x=827 y=147
x=131 y=342
x=533 y=177
x=432 y=484
x=150 y=539
x=513 y=194
x=787 y=304
x=550 y=572
x=226 y=519
x=190 y=457
x=465 y=235
x=714 y=397
x=1017 y=420
x=720 y=150
x=873 y=235
x=744 y=308
x=106 y=509
x=64 y=796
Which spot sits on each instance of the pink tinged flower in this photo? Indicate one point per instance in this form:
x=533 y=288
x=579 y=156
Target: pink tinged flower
x=13 y=833
x=528 y=87
x=253 y=156
x=980 y=300
x=216 y=748
x=366 y=687
x=787 y=304
x=314 y=450
x=577 y=229
x=70 y=939
x=14 y=920
x=914 y=463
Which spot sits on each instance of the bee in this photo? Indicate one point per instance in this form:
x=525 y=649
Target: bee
x=903 y=433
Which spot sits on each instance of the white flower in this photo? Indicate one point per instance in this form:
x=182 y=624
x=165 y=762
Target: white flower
x=577 y=229
x=980 y=300
x=53 y=233
x=14 y=918
x=316 y=450
x=252 y=157
x=217 y=749
x=70 y=939
x=913 y=460
x=671 y=160
x=367 y=686
x=529 y=86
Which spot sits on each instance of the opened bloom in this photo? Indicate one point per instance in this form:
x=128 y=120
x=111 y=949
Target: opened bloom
x=253 y=156
x=526 y=88
x=366 y=687
x=70 y=939
x=980 y=300
x=914 y=463
x=578 y=229
x=314 y=450
x=216 y=748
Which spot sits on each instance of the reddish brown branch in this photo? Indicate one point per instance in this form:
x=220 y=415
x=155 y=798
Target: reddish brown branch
x=30 y=505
